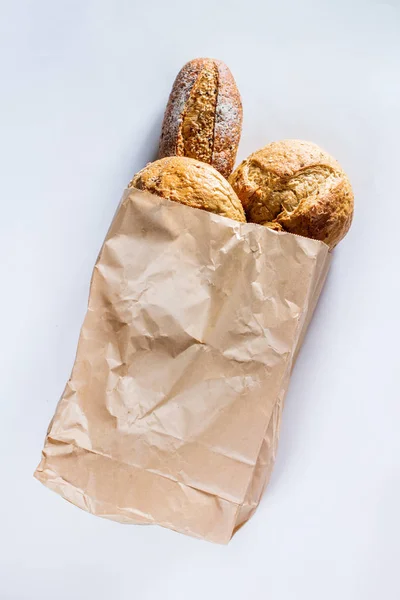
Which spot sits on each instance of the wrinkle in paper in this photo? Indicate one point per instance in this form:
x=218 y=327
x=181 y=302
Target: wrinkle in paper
x=171 y=414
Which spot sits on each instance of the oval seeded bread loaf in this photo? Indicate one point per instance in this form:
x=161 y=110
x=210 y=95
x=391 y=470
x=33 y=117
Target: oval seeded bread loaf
x=295 y=186
x=190 y=182
x=203 y=118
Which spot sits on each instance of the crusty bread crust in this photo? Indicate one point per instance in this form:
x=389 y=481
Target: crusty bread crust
x=203 y=118
x=295 y=186
x=190 y=182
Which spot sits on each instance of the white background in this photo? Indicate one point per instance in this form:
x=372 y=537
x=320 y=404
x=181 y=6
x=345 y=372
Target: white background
x=83 y=89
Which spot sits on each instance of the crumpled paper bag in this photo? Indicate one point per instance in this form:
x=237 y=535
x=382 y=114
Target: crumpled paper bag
x=171 y=414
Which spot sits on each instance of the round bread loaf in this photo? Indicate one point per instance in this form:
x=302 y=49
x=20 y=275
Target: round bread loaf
x=295 y=186
x=203 y=118
x=190 y=182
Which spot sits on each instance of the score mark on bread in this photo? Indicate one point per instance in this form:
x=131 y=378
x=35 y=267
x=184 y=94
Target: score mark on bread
x=203 y=118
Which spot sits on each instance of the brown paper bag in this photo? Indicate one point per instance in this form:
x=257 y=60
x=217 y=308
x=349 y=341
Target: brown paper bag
x=171 y=415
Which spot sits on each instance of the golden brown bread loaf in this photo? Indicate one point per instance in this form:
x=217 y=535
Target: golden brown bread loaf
x=190 y=182
x=295 y=186
x=203 y=118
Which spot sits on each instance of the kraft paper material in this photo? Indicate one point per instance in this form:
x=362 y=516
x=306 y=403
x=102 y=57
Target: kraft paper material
x=171 y=414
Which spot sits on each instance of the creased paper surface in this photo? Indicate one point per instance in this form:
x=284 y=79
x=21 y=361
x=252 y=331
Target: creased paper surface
x=171 y=414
